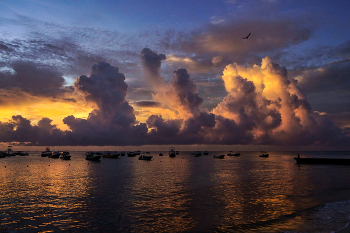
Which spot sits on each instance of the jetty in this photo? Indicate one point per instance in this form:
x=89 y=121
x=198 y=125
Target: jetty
x=337 y=161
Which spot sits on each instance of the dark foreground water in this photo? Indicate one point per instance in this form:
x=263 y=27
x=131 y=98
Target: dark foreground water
x=182 y=194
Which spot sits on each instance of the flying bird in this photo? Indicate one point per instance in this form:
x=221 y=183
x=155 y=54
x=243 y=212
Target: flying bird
x=247 y=36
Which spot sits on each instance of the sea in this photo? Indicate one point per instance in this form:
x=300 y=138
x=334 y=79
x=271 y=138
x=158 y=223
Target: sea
x=182 y=194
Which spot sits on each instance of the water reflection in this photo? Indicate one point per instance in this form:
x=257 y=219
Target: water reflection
x=157 y=198
x=182 y=194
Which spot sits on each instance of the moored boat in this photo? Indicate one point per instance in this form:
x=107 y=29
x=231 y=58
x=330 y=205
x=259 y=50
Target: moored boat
x=131 y=154
x=65 y=155
x=111 y=154
x=21 y=153
x=172 y=152
x=54 y=155
x=93 y=156
x=264 y=154
x=46 y=153
x=219 y=156
x=160 y=154
x=197 y=154
x=233 y=154
x=205 y=153
x=9 y=152
x=2 y=154
x=145 y=157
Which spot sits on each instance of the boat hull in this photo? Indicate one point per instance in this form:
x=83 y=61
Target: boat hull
x=95 y=158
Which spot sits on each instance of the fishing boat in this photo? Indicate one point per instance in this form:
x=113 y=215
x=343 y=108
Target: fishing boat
x=197 y=154
x=131 y=154
x=65 y=155
x=233 y=154
x=54 y=155
x=219 y=156
x=2 y=154
x=93 y=156
x=46 y=153
x=172 y=152
x=264 y=154
x=21 y=153
x=10 y=152
x=111 y=154
x=145 y=157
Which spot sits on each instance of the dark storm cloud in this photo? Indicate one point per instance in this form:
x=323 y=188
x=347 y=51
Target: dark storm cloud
x=106 y=88
x=32 y=79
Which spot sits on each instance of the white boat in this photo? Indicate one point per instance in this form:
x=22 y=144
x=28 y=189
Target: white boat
x=145 y=157
x=219 y=156
x=92 y=155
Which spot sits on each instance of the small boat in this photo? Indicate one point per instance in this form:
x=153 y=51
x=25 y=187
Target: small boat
x=122 y=153
x=10 y=152
x=172 y=152
x=219 y=156
x=54 y=154
x=21 y=153
x=131 y=154
x=93 y=156
x=197 y=154
x=46 y=153
x=145 y=157
x=177 y=152
x=110 y=154
x=65 y=155
x=264 y=154
x=161 y=154
x=233 y=154
x=2 y=154
x=205 y=153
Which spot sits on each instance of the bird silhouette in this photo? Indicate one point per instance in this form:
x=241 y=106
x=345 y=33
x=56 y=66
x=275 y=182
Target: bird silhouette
x=247 y=36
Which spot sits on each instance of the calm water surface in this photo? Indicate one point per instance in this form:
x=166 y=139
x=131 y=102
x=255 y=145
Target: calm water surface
x=181 y=194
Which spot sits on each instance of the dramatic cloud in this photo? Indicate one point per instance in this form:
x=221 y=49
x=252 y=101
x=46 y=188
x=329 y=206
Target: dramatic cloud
x=181 y=94
x=270 y=105
x=33 y=79
x=151 y=62
x=263 y=106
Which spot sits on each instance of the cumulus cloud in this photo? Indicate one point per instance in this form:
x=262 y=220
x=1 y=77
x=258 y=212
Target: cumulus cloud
x=263 y=106
x=269 y=104
x=181 y=94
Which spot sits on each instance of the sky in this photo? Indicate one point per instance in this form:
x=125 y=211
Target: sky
x=132 y=73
